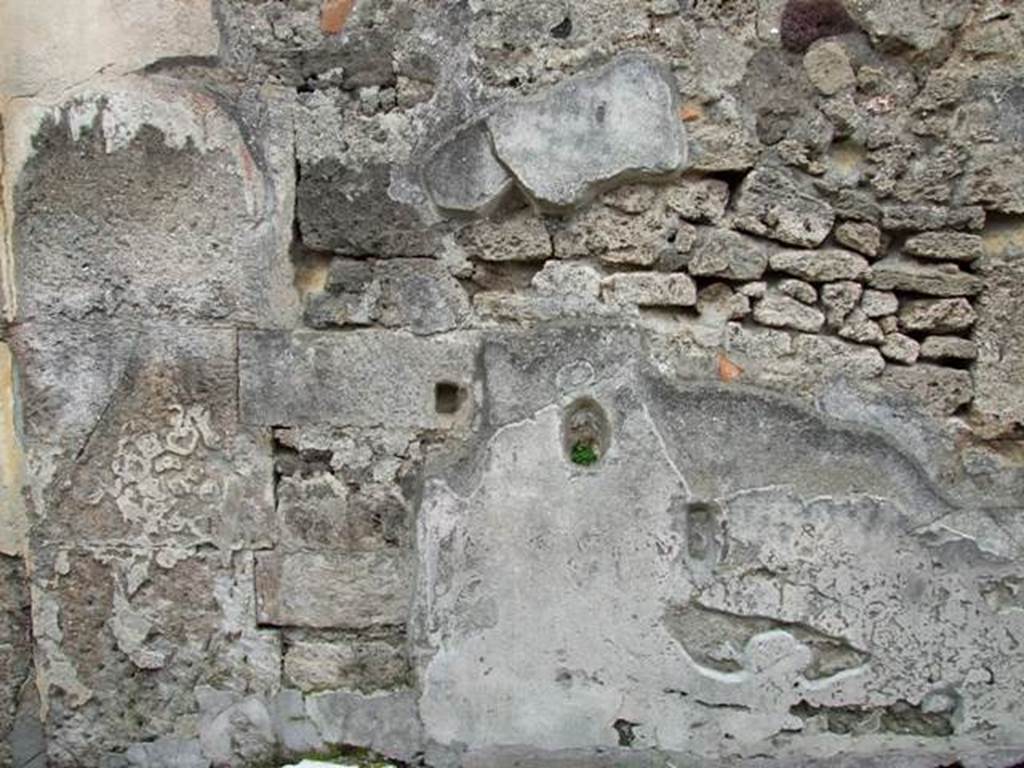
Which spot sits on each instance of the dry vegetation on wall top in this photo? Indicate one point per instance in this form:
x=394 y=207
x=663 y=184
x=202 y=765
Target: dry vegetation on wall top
x=513 y=382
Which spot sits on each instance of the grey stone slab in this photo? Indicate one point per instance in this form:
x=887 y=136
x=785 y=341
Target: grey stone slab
x=363 y=378
x=464 y=175
x=355 y=589
x=581 y=136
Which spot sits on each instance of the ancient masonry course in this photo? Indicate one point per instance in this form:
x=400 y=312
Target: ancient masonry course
x=494 y=383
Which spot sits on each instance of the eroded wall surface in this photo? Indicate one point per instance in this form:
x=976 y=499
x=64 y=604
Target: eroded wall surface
x=505 y=383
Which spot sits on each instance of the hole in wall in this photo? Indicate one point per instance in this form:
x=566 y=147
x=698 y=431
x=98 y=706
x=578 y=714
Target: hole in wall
x=585 y=432
x=625 y=730
x=562 y=29
x=448 y=397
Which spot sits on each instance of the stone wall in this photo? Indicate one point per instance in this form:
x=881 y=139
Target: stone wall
x=505 y=382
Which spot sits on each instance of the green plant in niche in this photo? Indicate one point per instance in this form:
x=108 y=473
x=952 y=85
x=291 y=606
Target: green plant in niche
x=583 y=453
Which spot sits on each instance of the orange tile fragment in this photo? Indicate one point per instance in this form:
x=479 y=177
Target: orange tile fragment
x=690 y=112
x=334 y=14
x=728 y=371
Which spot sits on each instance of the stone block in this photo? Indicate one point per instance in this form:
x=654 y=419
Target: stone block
x=727 y=254
x=519 y=237
x=824 y=266
x=775 y=203
x=777 y=310
x=937 y=315
x=903 y=274
x=651 y=290
x=418 y=294
x=354 y=379
x=350 y=664
x=355 y=589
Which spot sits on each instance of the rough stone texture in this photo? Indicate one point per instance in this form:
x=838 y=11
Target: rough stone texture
x=652 y=290
x=567 y=143
x=860 y=236
x=702 y=201
x=948 y=348
x=520 y=237
x=774 y=203
x=298 y=379
x=824 y=266
x=900 y=348
x=828 y=68
x=358 y=589
x=879 y=303
x=418 y=294
x=101 y=228
x=619 y=383
x=897 y=273
x=780 y=311
x=937 y=315
x=722 y=253
x=945 y=246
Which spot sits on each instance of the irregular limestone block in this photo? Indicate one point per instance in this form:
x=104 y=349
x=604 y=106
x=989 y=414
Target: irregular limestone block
x=699 y=200
x=799 y=290
x=651 y=289
x=860 y=236
x=144 y=198
x=464 y=175
x=948 y=348
x=999 y=371
x=773 y=203
x=615 y=237
x=879 y=303
x=902 y=274
x=360 y=665
x=900 y=348
x=728 y=254
x=354 y=589
x=418 y=294
x=839 y=299
x=945 y=246
x=519 y=237
x=353 y=379
x=824 y=266
x=587 y=133
x=937 y=315
x=630 y=198
x=992 y=178
x=937 y=390
x=828 y=68
x=718 y=302
x=860 y=328
x=568 y=278
x=779 y=311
